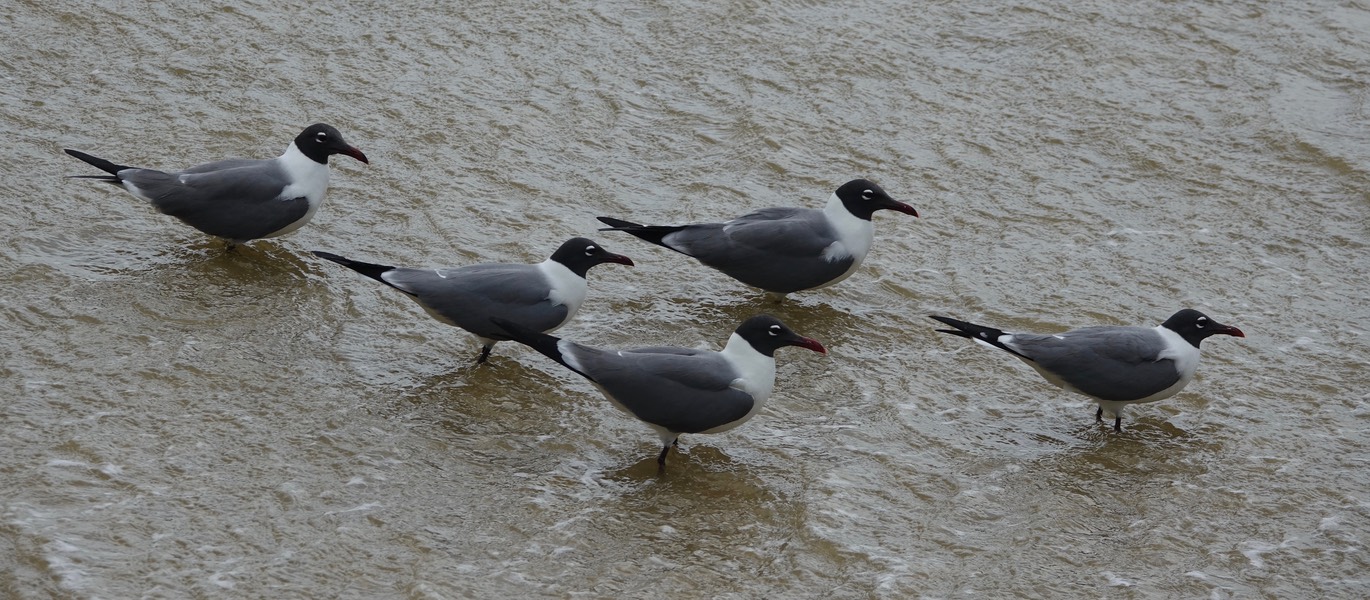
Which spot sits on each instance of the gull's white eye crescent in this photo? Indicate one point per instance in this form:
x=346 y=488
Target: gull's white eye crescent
x=589 y=250
x=775 y=330
x=867 y=195
x=322 y=136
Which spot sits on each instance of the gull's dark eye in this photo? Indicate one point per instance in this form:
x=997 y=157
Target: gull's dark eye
x=591 y=250
x=321 y=137
x=1200 y=322
x=867 y=194
x=775 y=330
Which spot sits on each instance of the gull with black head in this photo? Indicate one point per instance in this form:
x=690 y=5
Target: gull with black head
x=541 y=297
x=239 y=199
x=1115 y=366
x=782 y=250
x=679 y=390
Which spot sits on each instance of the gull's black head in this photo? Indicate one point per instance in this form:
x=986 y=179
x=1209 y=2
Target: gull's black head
x=320 y=141
x=1195 y=326
x=862 y=198
x=767 y=334
x=579 y=254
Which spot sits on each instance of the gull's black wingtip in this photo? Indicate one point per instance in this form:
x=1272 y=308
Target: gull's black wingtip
x=96 y=162
x=616 y=224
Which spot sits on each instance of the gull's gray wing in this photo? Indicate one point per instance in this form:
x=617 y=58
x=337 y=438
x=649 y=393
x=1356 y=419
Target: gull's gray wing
x=221 y=165
x=1111 y=363
x=679 y=389
x=240 y=202
x=775 y=249
x=469 y=297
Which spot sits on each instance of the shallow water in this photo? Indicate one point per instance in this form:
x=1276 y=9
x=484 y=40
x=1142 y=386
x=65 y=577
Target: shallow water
x=186 y=422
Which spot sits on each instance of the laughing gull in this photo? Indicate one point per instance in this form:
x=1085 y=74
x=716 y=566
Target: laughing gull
x=680 y=390
x=782 y=250
x=541 y=297
x=239 y=199
x=1115 y=366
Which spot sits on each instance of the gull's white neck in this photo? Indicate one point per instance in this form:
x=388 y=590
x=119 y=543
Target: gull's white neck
x=1185 y=355
x=564 y=287
x=301 y=169
x=307 y=179
x=854 y=236
x=754 y=373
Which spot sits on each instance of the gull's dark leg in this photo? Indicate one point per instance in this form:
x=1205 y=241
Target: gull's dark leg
x=661 y=458
x=1099 y=414
x=1118 y=424
x=484 y=354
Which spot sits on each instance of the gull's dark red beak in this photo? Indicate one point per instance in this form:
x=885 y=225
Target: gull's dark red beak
x=354 y=153
x=618 y=258
x=811 y=344
x=901 y=207
x=1229 y=330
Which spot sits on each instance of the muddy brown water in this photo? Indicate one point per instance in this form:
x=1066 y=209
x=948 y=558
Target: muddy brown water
x=182 y=422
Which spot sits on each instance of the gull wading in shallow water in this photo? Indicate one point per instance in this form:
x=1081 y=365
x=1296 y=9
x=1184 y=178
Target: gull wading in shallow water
x=1115 y=366
x=541 y=297
x=680 y=390
x=239 y=199
x=782 y=250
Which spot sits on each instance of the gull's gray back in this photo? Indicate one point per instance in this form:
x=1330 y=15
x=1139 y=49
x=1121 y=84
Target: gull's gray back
x=469 y=297
x=776 y=249
x=1110 y=363
x=240 y=203
x=680 y=389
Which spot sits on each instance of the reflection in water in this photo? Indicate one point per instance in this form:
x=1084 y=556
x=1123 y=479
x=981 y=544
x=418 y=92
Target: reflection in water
x=696 y=469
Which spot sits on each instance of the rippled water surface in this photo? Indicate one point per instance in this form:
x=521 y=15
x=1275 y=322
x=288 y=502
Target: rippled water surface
x=180 y=421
